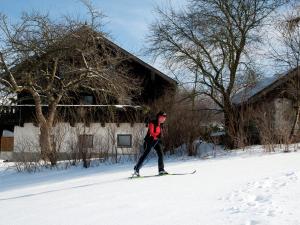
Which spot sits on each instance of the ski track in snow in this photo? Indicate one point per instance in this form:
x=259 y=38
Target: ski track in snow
x=262 y=201
x=243 y=188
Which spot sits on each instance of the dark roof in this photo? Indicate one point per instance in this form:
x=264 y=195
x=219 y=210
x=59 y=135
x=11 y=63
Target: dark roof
x=138 y=60
x=251 y=94
x=126 y=53
x=130 y=55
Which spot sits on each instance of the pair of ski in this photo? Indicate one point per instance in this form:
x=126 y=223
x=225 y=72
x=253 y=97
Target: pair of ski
x=159 y=175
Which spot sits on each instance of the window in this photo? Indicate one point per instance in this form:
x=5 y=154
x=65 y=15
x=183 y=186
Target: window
x=85 y=141
x=124 y=140
x=87 y=100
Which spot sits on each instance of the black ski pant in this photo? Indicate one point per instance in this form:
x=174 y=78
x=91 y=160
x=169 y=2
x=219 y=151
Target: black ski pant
x=148 y=145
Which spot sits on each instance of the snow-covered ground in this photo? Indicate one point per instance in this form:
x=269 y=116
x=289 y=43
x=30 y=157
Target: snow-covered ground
x=244 y=188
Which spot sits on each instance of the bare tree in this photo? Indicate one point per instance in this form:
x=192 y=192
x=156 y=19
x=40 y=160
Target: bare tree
x=187 y=119
x=27 y=157
x=52 y=60
x=212 y=37
x=287 y=56
x=266 y=133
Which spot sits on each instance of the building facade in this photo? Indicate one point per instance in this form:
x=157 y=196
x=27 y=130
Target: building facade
x=85 y=123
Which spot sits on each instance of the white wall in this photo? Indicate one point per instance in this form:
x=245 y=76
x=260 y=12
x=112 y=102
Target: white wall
x=26 y=138
x=6 y=155
x=105 y=138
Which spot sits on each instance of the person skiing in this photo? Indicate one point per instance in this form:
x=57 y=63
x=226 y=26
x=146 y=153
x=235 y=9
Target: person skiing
x=153 y=140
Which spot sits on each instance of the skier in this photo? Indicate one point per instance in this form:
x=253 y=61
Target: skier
x=153 y=140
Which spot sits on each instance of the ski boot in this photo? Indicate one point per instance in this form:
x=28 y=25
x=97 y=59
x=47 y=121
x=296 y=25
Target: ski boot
x=163 y=172
x=136 y=173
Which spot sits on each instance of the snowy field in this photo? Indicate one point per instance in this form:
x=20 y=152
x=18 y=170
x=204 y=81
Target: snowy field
x=243 y=188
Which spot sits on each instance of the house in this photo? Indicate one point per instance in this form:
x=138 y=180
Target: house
x=271 y=108
x=111 y=128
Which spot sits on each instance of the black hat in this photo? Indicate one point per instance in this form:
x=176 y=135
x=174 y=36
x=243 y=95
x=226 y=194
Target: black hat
x=161 y=113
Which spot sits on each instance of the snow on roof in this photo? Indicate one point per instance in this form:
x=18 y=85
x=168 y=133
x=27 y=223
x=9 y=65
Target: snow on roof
x=7 y=133
x=217 y=134
x=248 y=92
x=63 y=105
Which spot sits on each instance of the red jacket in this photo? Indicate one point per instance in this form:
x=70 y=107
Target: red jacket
x=154 y=130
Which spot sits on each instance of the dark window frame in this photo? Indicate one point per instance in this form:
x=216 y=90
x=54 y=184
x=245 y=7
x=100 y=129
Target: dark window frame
x=124 y=146
x=87 y=100
x=84 y=142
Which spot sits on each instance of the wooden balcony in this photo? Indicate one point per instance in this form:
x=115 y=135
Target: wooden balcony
x=20 y=114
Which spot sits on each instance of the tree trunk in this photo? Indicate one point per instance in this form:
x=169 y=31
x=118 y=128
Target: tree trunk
x=293 y=131
x=231 y=125
x=46 y=143
x=190 y=148
x=192 y=135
